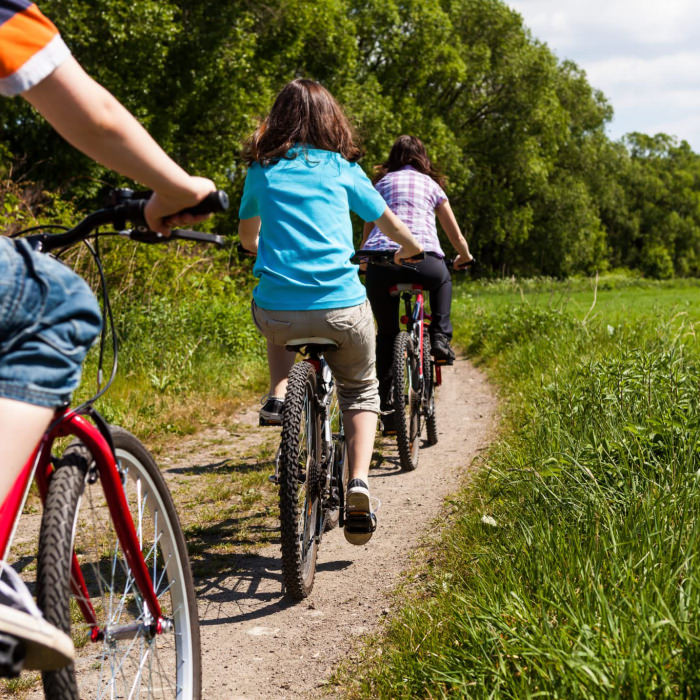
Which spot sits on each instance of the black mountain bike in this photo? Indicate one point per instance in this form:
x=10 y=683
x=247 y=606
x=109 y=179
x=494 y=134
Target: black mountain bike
x=312 y=465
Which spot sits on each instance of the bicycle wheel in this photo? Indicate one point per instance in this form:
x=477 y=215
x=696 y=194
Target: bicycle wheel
x=429 y=393
x=406 y=400
x=299 y=477
x=130 y=660
x=340 y=463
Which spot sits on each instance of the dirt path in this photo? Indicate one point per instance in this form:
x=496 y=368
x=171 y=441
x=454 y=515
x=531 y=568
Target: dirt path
x=256 y=644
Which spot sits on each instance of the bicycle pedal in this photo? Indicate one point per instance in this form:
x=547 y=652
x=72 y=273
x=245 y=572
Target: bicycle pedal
x=12 y=652
x=442 y=362
x=265 y=422
x=360 y=522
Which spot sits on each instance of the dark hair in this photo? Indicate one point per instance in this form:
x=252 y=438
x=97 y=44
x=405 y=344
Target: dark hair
x=409 y=150
x=304 y=112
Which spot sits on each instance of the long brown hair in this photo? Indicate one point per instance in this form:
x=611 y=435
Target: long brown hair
x=409 y=150
x=304 y=113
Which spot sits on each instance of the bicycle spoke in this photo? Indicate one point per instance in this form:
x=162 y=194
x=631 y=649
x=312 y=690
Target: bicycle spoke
x=130 y=661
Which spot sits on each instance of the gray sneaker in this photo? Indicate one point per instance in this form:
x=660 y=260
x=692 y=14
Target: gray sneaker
x=360 y=521
x=271 y=412
x=46 y=647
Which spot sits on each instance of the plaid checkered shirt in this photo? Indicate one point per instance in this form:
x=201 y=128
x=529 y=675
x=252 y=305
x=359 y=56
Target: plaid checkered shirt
x=413 y=197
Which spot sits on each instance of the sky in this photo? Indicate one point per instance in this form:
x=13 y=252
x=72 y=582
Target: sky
x=643 y=54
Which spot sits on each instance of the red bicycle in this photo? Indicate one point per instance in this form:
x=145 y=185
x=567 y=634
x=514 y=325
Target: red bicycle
x=415 y=372
x=110 y=534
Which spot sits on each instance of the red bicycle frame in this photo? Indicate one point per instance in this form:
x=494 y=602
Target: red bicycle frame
x=39 y=466
x=418 y=316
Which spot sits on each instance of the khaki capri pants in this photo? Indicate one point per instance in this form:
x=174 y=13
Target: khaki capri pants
x=352 y=363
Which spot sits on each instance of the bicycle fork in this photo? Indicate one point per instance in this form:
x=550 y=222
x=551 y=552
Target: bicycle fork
x=111 y=479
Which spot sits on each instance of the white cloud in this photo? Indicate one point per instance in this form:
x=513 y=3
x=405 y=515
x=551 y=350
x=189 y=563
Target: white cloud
x=643 y=54
x=647 y=75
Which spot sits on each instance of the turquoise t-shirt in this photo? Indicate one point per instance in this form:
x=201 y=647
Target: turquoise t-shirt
x=305 y=241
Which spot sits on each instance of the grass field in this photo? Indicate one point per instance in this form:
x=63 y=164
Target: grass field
x=570 y=567
x=610 y=299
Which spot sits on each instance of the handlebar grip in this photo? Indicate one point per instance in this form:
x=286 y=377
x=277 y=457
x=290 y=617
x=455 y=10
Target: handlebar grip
x=213 y=203
x=451 y=265
x=132 y=208
x=243 y=251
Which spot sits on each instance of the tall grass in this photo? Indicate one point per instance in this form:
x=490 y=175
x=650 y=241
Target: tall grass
x=571 y=569
x=188 y=348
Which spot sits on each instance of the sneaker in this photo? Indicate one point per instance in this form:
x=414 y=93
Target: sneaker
x=271 y=412
x=440 y=348
x=388 y=420
x=360 y=521
x=45 y=646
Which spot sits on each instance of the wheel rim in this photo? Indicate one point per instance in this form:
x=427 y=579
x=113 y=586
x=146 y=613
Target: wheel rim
x=340 y=461
x=130 y=662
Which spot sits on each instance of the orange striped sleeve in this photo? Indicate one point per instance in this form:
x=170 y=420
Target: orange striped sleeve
x=30 y=48
x=21 y=37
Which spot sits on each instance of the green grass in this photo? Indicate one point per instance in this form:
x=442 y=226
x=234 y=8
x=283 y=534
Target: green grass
x=188 y=357
x=570 y=568
x=610 y=299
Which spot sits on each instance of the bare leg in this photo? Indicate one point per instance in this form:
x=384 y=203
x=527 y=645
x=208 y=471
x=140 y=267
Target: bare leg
x=279 y=361
x=21 y=427
x=360 y=428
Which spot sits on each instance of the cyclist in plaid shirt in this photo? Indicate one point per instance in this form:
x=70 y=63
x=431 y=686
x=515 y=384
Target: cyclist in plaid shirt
x=413 y=190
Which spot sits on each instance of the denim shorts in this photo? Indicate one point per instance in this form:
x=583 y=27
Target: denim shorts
x=49 y=318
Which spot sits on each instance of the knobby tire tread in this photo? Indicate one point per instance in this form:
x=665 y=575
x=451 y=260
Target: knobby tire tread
x=302 y=379
x=56 y=546
x=54 y=560
x=403 y=348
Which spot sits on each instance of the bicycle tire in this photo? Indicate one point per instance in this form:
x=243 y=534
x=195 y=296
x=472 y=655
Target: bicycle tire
x=406 y=402
x=166 y=665
x=340 y=461
x=429 y=393
x=299 y=496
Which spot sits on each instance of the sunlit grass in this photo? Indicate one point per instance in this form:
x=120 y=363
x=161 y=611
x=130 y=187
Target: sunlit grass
x=570 y=568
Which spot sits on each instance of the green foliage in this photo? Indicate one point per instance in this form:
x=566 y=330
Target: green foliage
x=661 y=182
x=571 y=567
x=535 y=183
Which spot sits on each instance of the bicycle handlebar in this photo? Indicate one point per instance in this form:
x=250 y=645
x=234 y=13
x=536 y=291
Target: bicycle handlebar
x=384 y=257
x=129 y=206
x=182 y=234
x=244 y=252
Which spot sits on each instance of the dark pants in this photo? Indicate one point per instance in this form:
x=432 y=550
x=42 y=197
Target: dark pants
x=433 y=274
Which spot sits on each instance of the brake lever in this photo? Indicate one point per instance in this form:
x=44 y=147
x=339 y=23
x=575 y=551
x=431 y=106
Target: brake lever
x=146 y=236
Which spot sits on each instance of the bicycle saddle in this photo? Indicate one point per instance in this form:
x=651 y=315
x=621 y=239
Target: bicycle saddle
x=411 y=287
x=318 y=342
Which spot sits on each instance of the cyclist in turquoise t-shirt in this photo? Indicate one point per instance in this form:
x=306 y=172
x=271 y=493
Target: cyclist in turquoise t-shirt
x=302 y=183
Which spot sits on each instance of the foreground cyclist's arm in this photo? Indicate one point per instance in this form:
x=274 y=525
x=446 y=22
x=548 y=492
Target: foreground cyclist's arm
x=93 y=120
x=451 y=228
